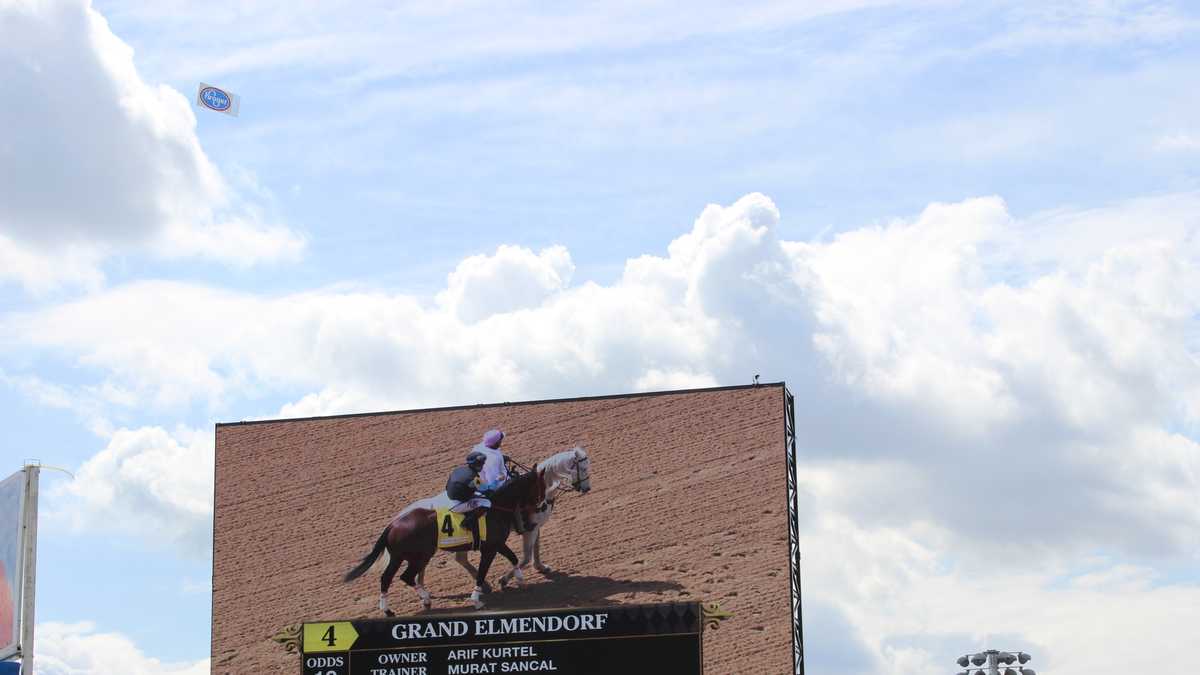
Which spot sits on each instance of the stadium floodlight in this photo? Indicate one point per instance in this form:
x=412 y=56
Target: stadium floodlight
x=993 y=659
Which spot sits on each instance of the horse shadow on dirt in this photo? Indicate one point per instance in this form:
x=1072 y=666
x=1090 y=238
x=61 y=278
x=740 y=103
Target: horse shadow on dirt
x=567 y=590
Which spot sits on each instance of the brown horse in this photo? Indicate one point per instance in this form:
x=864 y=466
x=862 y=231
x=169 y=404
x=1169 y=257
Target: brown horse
x=412 y=537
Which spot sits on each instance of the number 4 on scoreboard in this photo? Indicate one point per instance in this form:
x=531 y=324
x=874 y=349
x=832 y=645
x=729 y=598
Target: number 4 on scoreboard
x=337 y=636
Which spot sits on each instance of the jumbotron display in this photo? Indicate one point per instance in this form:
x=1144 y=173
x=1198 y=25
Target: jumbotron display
x=637 y=533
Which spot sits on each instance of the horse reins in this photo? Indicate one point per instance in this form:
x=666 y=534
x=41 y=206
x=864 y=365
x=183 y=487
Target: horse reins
x=559 y=488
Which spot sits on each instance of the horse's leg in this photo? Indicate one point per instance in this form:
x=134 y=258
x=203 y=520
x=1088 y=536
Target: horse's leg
x=515 y=572
x=535 y=542
x=527 y=547
x=527 y=539
x=485 y=562
x=537 y=553
x=385 y=581
x=424 y=595
x=461 y=558
x=412 y=576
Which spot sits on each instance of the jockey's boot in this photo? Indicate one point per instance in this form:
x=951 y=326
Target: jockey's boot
x=471 y=520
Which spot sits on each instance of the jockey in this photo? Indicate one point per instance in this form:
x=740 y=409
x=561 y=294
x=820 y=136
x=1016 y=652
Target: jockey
x=494 y=472
x=461 y=488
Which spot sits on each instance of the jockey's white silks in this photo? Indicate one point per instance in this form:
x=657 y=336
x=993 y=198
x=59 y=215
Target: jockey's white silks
x=494 y=471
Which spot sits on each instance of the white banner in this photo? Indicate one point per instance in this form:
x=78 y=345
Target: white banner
x=12 y=505
x=218 y=99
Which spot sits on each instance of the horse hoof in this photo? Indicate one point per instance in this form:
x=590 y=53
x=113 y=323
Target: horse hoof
x=389 y=612
x=427 y=605
x=487 y=588
x=543 y=569
x=503 y=582
x=478 y=604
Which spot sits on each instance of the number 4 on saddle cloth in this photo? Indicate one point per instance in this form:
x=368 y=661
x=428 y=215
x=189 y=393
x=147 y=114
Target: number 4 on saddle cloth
x=452 y=534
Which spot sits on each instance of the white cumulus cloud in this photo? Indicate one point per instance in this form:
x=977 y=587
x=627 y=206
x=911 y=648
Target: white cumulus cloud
x=511 y=279
x=81 y=649
x=145 y=482
x=906 y=606
x=96 y=161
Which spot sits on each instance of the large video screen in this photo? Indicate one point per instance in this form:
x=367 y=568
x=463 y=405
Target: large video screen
x=669 y=497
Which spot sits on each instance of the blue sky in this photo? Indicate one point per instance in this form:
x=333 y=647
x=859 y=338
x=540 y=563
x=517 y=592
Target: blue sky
x=964 y=233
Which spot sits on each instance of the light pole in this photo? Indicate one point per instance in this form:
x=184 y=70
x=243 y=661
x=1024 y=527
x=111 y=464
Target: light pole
x=989 y=662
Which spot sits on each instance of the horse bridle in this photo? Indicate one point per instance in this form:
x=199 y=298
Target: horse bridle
x=551 y=497
x=578 y=473
x=559 y=488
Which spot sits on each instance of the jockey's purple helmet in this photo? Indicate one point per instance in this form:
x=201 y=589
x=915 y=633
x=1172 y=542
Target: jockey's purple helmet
x=492 y=438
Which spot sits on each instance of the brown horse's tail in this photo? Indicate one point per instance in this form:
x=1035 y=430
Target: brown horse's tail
x=366 y=563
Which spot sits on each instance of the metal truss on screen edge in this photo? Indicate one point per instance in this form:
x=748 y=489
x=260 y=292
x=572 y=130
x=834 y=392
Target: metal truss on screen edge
x=789 y=436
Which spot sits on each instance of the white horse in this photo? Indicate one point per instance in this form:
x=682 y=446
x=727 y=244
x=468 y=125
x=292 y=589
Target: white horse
x=567 y=471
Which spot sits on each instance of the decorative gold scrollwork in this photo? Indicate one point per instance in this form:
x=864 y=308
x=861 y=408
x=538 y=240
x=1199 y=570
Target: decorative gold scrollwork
x=289 y=637
x=713 y=614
